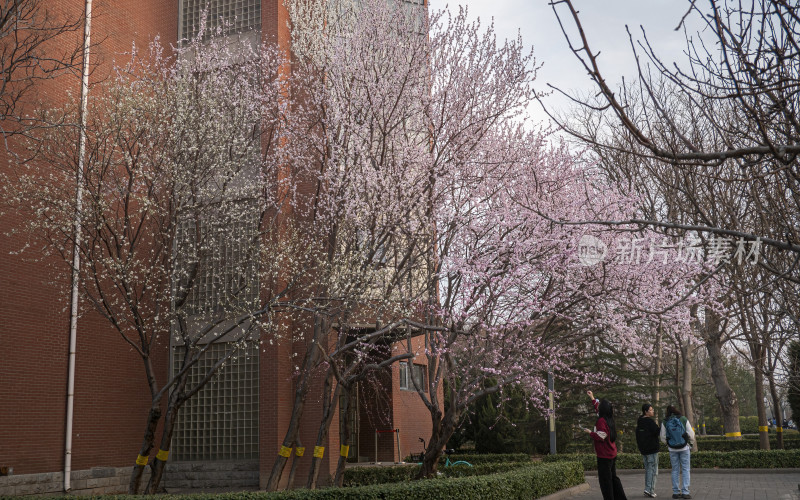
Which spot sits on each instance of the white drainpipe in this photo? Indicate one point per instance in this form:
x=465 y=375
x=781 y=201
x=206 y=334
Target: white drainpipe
x=76 y=256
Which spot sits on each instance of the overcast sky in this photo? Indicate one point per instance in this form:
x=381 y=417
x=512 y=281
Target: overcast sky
x=604 y=22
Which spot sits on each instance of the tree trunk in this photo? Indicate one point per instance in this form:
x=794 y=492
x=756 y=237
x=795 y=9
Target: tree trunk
x=329 y=403
x=344 y=437
x=773 y=391
x=299 y=452
x=728 y=401
x=147 y=446
x=678 y=386
x=442 y=429
x=686 y=383
x=763 y=434
x=430 y=460
x=687 y=352
x=301 y=392
x=160 y=462
x=657 y=369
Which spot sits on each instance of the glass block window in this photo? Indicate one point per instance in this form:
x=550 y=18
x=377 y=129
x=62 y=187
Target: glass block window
x=221 y=421
x=416 y=10
x=233 y=16
x=225 y=252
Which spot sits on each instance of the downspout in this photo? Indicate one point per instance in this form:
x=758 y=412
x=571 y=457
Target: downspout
x=76 y=256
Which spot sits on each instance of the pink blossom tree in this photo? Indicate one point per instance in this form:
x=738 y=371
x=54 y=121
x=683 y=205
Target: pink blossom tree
x=423 y=151
x=515 y=300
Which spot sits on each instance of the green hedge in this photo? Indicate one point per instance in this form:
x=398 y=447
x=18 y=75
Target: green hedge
x=745 y=459
x=489 y=458
x=482 y=458
x=717 y=443
x=526 y=482
x=788 y=435
x=362 y=476
x=712 y=442
x=747 y=425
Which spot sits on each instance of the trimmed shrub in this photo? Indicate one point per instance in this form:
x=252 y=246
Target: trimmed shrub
x=362 y=476
x=526 y=482
x=482 y=469
x=489 y=458
x=711 y=442
x=747 y=425
x=745 y=459
x=479 y=458
x=747 y=443
x=587 y=461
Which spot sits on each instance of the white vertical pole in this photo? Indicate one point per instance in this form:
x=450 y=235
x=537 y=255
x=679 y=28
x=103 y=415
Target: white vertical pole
x=399 y=452
x=76 y=257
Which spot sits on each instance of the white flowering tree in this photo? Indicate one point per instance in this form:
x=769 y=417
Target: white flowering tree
x=369 y=205
x=185 y=236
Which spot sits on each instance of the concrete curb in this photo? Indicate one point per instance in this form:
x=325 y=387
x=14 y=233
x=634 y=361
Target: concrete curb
x=567 y=493
x=707 y=471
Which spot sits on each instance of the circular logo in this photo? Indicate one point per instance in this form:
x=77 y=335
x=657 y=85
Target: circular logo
x=591 y=250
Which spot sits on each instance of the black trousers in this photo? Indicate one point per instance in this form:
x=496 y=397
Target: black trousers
x=610 y=485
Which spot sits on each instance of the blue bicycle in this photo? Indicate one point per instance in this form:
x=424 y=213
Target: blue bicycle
x=447 y=462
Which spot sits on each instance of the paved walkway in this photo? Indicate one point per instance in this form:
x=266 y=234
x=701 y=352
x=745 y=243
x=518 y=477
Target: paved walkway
x=709 y=484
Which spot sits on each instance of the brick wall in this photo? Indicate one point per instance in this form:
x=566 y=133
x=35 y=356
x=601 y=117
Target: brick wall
x=410 y=414
x=111 y=397
x=114 y=480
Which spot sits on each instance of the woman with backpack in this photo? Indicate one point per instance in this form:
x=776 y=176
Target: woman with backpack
x=678 y=435
x=604 y=435
x=647 y=433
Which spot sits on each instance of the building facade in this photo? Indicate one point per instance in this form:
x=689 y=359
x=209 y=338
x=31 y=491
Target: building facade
x=229 y=434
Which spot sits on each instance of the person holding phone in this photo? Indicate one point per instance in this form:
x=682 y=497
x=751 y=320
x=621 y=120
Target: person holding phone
x=604 y=436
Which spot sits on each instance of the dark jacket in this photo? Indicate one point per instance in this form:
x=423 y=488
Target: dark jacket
x=647 y=432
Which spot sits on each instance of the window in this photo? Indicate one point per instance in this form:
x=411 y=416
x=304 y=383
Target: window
x=417 y=11
x=371 y=247
x=404 y=375
x=418 y=374
x=218 y=268
x=220 y=422
x=233 y=16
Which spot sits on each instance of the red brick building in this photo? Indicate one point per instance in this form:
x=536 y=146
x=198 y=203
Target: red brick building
x=230 y=433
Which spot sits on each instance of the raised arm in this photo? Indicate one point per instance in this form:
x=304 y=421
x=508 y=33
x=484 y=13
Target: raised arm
x=595 y=401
